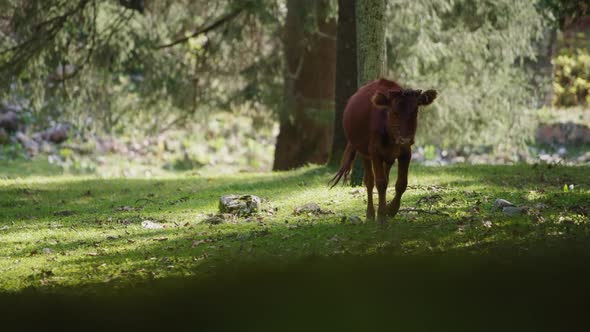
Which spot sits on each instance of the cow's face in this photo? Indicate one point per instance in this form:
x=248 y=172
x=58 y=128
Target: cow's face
x=402 y=106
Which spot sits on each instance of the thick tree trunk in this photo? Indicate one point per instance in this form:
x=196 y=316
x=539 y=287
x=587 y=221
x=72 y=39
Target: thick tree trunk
x=370 y=32
x=346 y=73
x=307 y=111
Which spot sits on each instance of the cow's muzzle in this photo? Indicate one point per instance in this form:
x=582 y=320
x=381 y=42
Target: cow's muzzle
x=404 y=141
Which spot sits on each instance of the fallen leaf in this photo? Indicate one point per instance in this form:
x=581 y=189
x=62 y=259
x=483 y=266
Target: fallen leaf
x=160 y=238
x=151 y=225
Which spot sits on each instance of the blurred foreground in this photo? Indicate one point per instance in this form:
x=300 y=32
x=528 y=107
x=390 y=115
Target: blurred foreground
x=537 y=291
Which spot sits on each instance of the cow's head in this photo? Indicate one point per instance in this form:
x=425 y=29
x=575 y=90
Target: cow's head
x=402 y=106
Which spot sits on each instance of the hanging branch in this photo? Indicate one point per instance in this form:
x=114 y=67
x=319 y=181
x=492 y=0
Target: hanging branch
x=212 y=26
x=96 y=42
x=45 y=33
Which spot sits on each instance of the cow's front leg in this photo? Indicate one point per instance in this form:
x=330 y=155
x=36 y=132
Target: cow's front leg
x=381 y=183
x=370 y=184
x=402 y=181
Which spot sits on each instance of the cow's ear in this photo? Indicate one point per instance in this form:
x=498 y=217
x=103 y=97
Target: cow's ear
x=427 y=97
x=380 y=100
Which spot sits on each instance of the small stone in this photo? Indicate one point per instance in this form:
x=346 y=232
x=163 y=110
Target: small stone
x=214 y=220
x=309 y=209
x=540 y=206
x=335 y=238
x=240 y=205
x=47 y=251
x=355 y=220
x=10 y=121
x=502 y=203
x=513 y=211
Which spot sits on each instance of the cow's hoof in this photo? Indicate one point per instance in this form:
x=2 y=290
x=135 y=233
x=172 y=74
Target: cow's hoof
x=392 y=209
x=392 y=214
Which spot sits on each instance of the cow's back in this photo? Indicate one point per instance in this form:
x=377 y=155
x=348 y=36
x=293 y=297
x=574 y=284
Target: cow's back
x=359 y=109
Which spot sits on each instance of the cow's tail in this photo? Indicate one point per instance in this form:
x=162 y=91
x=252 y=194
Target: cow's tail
x=345 y=166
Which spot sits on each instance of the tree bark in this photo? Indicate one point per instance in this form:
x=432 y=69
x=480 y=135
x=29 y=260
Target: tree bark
x=541 y=69
x=346 y=73
x=307 y=111
x=370 y=32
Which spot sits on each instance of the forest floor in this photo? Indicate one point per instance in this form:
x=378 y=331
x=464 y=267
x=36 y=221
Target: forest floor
x=63 y=234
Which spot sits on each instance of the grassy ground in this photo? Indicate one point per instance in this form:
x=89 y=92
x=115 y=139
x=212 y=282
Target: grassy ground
x=79 y=233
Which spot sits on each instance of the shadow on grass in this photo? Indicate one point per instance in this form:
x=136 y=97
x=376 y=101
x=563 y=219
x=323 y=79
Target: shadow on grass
x=455 y=292
x=226 y=245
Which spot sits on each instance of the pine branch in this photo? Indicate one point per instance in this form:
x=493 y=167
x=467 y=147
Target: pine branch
x=212 y=26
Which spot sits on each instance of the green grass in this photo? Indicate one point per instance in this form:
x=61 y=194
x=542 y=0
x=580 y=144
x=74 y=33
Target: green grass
x=61 y=232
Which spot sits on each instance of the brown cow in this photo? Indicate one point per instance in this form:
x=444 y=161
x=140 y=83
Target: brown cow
x=380 y=123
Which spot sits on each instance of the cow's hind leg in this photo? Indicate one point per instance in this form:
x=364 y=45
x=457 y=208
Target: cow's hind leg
x=369 y=183
x=402 y=182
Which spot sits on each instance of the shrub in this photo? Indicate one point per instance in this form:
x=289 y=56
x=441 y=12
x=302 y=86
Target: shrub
x=572 y=79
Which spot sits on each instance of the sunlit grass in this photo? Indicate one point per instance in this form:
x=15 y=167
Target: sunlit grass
x=60 y=230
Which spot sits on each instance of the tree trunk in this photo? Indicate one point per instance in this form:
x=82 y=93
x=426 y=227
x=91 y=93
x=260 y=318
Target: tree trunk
x=370 y=32
x=541 y=69
x=346 y=73
x=307 y=111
